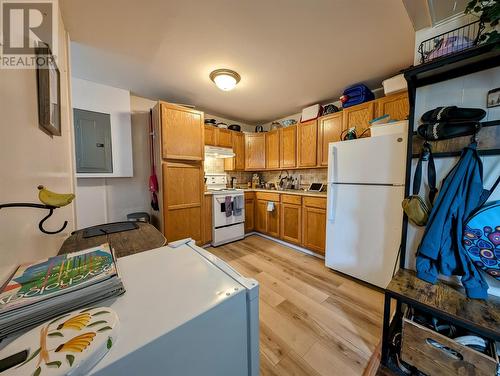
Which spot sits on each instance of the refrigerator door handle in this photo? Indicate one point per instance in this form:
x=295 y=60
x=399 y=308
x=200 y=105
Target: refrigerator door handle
x=331 y=206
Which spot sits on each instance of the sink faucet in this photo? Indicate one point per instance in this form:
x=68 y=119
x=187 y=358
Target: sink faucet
x=283 y=178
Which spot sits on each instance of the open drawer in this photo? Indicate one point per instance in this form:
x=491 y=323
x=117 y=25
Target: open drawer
x=437 y=355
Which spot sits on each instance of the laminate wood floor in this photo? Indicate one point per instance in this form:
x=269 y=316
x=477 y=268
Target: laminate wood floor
x=313 y=321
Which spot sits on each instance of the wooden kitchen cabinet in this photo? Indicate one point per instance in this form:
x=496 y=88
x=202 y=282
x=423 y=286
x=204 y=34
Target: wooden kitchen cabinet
x=249 y=211
x=272 y=149
x=288 y=147
x=182 y=131
x=395 y=105
x=224 y=138
x=183 y=205
x=307 y=139
x=207 y=219
x=255 y=151
x=329 y=130
x=358 y=116
x=314 y=224
x=291 y=219
x=237 y=163
x=210 y=135
x=261 y=216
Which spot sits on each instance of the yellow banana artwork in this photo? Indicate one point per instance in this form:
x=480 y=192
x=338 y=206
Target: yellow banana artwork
x=77 y=322
x=77 y=344
x=54 y=199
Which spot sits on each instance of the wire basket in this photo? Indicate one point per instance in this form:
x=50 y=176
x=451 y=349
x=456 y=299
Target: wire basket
x=453 y=41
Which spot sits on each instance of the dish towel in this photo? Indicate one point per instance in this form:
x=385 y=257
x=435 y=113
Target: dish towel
x=237 y=205
x=270 y=206
x=228 y=206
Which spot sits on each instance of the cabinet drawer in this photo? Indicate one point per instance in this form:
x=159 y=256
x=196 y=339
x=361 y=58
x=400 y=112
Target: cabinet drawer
x=435 y=354
x=315 y=202
x=291 y=199
x=268 y=196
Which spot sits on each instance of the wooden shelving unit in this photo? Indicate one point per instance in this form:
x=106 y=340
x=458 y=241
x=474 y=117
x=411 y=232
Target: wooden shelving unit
x=442 y=300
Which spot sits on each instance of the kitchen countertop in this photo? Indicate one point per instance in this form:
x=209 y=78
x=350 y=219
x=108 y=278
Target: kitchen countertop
x=288 y=192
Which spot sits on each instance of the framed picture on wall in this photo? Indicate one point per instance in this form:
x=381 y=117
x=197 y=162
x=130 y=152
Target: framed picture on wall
x=49 y=91
x=493 y=98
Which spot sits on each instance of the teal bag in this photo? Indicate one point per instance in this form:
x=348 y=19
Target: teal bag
x=481 y=237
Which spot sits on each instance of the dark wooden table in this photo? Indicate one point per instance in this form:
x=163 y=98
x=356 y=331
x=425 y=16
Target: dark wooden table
x=125 y=243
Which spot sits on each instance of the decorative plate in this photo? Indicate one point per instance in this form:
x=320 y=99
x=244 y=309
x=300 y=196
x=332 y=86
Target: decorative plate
x=69 y=345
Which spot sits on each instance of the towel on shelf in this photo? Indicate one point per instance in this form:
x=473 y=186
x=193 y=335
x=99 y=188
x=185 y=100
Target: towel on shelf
x=228 y=206
x=238 y=205
x=270 y=206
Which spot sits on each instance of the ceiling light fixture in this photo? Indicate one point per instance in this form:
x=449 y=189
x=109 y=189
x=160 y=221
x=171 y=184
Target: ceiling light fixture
x=225 y=79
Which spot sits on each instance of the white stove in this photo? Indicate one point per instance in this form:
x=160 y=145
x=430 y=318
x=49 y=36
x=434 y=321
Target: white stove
x=228 y=211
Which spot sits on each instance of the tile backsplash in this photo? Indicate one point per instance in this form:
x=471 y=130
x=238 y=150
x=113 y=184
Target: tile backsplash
x=306 y=177
x=214 y=165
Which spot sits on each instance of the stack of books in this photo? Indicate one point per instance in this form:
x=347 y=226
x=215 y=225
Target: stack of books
x=39 y=291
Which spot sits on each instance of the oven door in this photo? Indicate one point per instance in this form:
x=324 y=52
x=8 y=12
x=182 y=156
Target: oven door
x=219 y=211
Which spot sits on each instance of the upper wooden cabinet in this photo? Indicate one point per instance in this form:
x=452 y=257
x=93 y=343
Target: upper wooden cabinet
x=218 y=137
x=224 y=138
x=182 y=133
x=288 y=147
x=329 y=130
x=210 y=135
x=396 y=106
x=255 y=151
x=358 y=116
x=237 y=163
x=272 y=149
x=307 y=139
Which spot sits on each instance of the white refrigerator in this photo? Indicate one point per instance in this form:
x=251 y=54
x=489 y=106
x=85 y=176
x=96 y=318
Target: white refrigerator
x=364 y=215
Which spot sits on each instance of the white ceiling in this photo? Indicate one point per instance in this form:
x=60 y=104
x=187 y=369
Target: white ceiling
x=289 y=53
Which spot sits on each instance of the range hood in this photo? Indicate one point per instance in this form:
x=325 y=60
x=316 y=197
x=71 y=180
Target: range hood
x=217 y=152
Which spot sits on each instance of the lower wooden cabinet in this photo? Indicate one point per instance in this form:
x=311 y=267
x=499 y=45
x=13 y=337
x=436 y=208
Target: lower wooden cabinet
x=261 y=216
x=314 y=224
x=182 y=200
x=267 y=222
x=249 y=211
x=291 y=223
x=296 y=219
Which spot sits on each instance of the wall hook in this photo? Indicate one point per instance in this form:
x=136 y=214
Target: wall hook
x=39 y=206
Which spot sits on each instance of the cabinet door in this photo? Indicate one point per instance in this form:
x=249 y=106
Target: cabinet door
x=307 y=139
x=358 y=116
x=182 y=133
x=272 y=149
x=288 y=147
x=255 y=151
x=273 y=221
x=239 y=150
x=396 y=106
x=224 y=138
x=329 y=130
x=291 y=223
x=249 y=214
x=261 y=216
x=210 y=135
x=183 y=200
x=207 y=219
x=314 y=229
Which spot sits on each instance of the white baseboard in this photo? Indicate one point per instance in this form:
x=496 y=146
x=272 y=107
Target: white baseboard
x=290 y=245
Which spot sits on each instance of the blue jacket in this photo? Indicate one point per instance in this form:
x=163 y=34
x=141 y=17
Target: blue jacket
x=441 y=249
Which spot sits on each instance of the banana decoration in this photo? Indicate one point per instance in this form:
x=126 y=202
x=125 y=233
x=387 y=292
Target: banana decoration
x=77 y=322
x=77 y=344
x=54 y=199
